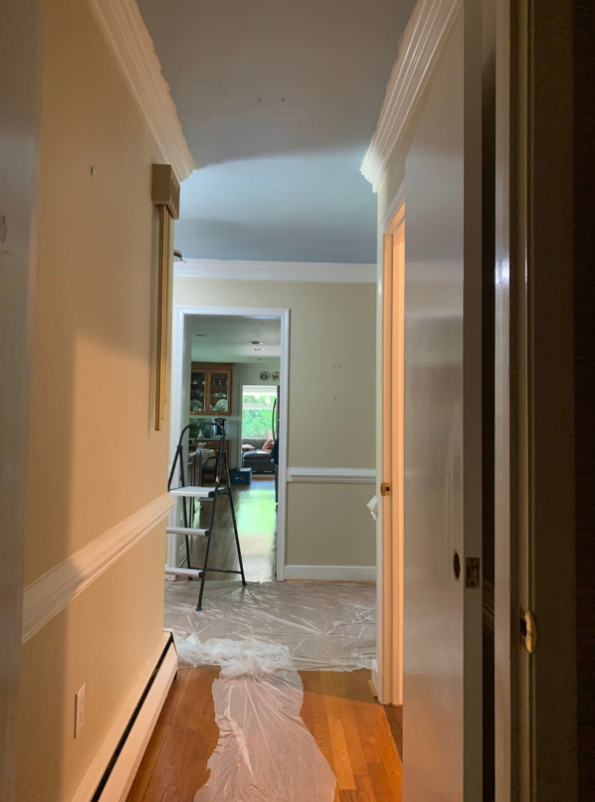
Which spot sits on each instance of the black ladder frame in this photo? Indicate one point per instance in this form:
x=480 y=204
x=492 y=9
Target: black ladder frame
x=221 y=462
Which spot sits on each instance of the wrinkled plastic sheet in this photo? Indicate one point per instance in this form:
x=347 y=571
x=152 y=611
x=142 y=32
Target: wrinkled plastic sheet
x=261 y=636
x=325 y=626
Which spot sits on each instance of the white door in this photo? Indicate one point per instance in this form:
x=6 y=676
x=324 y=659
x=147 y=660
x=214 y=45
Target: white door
x=442 y=431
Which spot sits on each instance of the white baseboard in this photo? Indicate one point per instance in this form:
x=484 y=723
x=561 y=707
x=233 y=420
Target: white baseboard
x=332 y=573
x=122 y=774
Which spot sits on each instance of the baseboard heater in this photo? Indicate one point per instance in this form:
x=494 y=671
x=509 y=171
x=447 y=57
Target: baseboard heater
x=112 y=773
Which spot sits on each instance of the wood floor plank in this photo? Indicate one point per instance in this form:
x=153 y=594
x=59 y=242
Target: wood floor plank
x=343 y=770
x=350 y=725
x=338 y=709
x=314 y=714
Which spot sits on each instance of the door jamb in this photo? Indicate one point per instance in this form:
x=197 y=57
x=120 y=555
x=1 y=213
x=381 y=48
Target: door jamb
x=180 y=314
x=388 y=675
x=535 y=702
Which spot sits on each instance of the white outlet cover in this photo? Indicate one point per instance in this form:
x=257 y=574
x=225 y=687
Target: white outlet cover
x=79 y=711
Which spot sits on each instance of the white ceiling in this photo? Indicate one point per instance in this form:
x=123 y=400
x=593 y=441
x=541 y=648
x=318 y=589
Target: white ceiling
x=228 y=339
x=278 y=101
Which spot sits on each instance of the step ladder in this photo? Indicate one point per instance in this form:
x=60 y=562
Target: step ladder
x=189 y=494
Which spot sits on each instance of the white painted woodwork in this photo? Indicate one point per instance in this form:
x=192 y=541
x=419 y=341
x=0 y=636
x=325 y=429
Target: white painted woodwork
x=128 y=762
x=20 y=94
x=424 y=38
x=52 y=592
x=442 y=456
x=389 y=666
x=332 y=573
x=359 y=476
x=129 y=40
x=180 y=403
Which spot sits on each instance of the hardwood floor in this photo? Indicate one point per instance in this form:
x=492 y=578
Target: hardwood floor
x=395 y=722
x=257 y=524
x=350 y=728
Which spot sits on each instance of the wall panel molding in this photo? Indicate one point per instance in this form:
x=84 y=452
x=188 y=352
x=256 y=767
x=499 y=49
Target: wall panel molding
x=422 y=43
x=52 y=592
x=129 y=40
x=359 y=476
x=329 y=272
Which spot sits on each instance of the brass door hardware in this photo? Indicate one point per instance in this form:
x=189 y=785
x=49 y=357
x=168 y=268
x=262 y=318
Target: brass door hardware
x=529 y=633
x=385 y=489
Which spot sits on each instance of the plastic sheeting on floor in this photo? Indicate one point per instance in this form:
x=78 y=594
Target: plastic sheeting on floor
x=261 y=636
x=323 y=625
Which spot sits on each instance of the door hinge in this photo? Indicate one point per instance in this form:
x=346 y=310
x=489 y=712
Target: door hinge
x=472 y=573
x=529 y=632
x=385 y=489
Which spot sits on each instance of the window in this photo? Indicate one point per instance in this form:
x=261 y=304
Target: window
x=257 y=412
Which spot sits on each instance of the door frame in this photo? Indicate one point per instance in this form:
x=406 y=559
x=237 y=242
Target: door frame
x=535 y=569
x=388 y=671
x=177 y=394
x=241 y=394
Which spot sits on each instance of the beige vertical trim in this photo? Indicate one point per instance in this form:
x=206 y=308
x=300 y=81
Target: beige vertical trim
x=164 y=313
x=390 y=665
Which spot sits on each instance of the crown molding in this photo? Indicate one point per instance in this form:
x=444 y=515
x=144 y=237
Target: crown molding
x=329 y=272
x=129 y=40
x=52 y=592
x=422 y=43
x=350 y=476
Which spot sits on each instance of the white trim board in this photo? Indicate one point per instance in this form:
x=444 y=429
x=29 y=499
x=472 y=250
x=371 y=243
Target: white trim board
x=52 y=592
x=178 y=414
x=332 y=573
x=129 y=40
x=422 y=43
x=329 y=272
x=359 y=476
x=126 y=766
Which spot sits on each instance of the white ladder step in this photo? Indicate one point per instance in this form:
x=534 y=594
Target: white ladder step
x=186 y=530
x=194 y=573
x=193 y=492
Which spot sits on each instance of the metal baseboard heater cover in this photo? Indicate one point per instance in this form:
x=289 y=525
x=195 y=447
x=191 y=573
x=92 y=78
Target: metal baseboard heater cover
x=121 y=770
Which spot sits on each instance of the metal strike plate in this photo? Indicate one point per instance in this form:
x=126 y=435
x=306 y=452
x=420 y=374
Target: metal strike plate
x=472 y=573
x=385 y=489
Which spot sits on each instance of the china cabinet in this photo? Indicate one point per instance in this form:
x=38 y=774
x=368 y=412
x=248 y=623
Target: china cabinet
x=210 y=388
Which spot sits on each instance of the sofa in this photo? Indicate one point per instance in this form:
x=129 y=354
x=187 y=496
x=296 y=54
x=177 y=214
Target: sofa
x=260 y=461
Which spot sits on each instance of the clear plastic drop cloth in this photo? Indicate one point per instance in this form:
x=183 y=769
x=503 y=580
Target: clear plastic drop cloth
x=261 y=636
x=325 y=626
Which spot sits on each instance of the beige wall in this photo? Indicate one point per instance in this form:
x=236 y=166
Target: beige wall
x=93 y=458
x=331 y=405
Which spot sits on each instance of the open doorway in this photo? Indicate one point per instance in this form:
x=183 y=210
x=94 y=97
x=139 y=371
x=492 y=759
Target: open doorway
x=228 y=367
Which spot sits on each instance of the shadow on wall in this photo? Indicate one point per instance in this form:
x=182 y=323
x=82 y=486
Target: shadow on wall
x=93 y=459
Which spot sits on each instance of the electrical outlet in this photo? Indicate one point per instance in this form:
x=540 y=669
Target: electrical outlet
x=79 y=711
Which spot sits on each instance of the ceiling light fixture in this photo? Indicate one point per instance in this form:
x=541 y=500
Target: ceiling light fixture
x=257 y=349
x=200 y=335
x=255 y=342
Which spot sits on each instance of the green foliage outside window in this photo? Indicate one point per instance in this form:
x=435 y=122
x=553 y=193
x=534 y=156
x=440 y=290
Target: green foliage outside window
x=256 y=423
